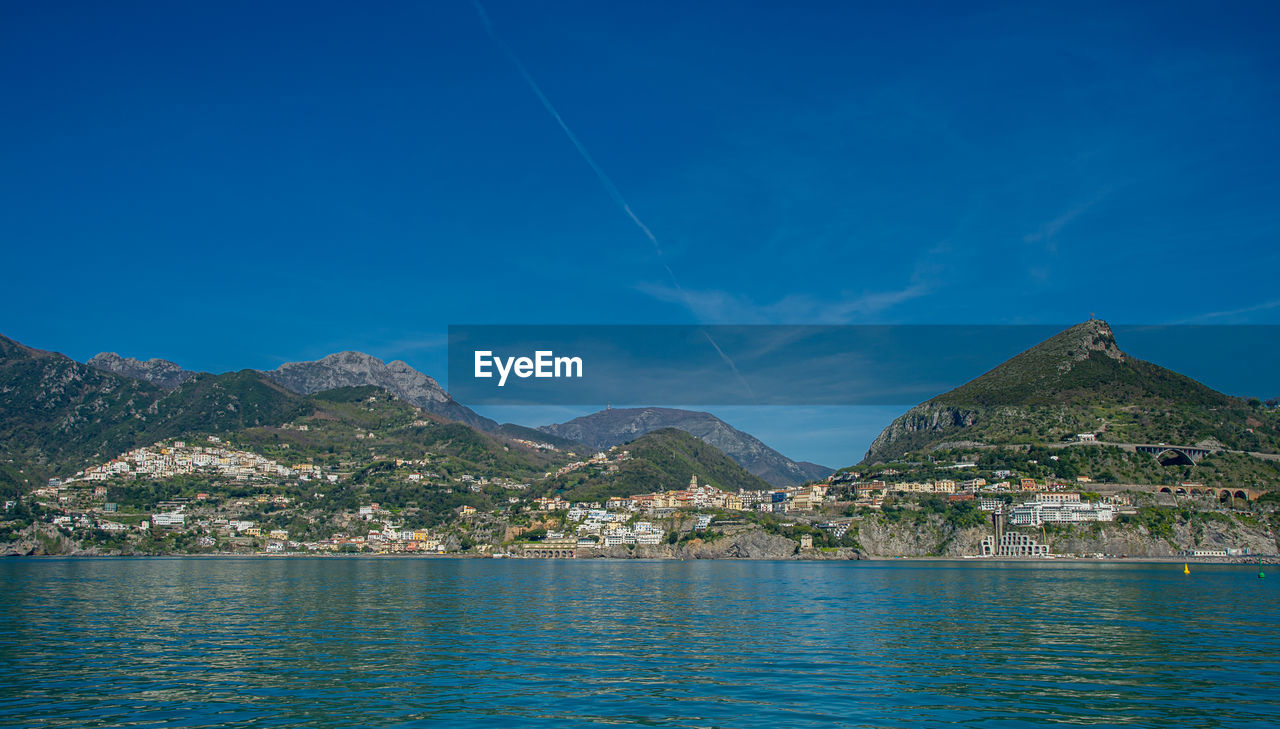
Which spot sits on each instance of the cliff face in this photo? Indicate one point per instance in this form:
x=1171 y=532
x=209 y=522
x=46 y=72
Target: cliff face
x=880 y=538
x=41 y=540
x=920 y=426
x=744 y=544
x=1140 y=542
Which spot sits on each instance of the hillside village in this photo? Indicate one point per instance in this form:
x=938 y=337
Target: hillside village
x=233 y=501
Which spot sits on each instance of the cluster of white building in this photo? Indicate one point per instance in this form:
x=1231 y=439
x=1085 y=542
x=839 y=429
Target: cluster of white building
x=536 y=445
x=701 y=496
x=605 y=528
x=1059 y=509
x=641 y=533
x=1052 y=508
x=177 y=458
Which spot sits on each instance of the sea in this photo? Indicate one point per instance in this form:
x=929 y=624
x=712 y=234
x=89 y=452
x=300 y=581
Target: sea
x=416 y=642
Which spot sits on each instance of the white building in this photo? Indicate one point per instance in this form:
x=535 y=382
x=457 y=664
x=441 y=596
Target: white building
x=171 y=519
x=1013 y=544
x=1035 y=513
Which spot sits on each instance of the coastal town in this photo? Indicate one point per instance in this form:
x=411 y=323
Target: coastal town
x=233 y=501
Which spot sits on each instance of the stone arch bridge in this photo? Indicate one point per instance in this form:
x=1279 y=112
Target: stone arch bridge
x=1223 y=494
x=1182 y=490
x=1174 y=454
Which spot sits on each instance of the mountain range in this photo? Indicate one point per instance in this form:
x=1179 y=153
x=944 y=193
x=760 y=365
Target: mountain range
x=615 y=426
x=342 y=369
x=597 y=431
x=58 y=414
x=115 y=403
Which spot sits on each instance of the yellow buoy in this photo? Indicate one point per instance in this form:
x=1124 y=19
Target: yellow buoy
x=1186 y=569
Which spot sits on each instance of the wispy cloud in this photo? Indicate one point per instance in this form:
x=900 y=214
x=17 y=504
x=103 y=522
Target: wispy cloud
x=1212 y=315
x=717 y=306
x=1047 y=234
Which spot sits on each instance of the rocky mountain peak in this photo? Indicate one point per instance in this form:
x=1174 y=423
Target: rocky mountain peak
x=354 y=369
x=1091 y=336
x=160 y=372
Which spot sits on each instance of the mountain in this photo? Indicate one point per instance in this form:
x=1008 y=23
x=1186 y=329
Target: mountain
x=160 y=372
x=660 y=460
x=614 y=426
x=351 y=424
x=354 y=369
x=57 y=415
x=223 y=403
x=55 y=411
x=1078 y=381
x=511 y=430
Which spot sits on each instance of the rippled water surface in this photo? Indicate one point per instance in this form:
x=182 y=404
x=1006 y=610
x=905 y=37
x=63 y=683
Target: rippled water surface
x=441 y=642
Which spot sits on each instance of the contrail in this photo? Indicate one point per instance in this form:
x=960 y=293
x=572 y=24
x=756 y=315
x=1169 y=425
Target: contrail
x=729 y=362
x=609 y=187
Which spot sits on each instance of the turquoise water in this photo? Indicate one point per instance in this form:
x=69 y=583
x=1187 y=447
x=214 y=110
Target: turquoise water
x=426 y=642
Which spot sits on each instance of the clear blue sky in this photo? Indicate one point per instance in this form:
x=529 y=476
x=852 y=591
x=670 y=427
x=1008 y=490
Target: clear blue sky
x=237 y=185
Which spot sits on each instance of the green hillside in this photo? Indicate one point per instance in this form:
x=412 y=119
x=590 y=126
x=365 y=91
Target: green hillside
x=1080 y=381
x=511 y=430
x=57 y=415
x=661 y=460
x=220 y=403
x=364 y=424
x=383 y=450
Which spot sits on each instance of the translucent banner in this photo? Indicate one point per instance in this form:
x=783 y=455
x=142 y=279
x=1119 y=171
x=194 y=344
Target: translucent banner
x=805 y=365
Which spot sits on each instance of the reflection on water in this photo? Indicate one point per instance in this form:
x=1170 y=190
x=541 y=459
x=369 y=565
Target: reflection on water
x=409 y=642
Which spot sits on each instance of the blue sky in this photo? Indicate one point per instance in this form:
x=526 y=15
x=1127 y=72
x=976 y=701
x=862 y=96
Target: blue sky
x=241 y=184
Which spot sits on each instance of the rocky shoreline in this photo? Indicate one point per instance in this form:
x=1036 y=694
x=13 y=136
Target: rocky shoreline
x=877 y=540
